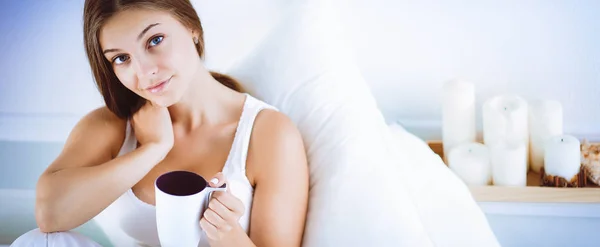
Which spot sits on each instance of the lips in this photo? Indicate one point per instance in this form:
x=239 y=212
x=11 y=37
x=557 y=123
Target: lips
x=159 y=87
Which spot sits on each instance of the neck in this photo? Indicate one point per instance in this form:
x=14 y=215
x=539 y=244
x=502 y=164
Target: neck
x=205 y=102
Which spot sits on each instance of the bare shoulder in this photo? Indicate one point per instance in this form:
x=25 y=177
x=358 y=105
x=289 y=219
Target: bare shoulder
x=95 y=139
x=273 y=128
x=275 y=124
x=100 y=126
x=103 y=120
x=275 y=141
x=104 y=116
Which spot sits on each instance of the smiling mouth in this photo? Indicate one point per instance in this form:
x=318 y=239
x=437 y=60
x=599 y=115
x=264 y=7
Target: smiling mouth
x=159 y=87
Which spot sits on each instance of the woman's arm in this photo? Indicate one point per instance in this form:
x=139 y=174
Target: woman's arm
x=84 y=179
x=278 y=165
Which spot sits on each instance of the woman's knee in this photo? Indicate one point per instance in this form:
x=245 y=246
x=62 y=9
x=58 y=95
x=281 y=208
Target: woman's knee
x=36 y=238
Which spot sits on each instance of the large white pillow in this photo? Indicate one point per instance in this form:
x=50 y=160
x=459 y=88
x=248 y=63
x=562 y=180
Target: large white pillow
x=369 y=187
x=304 y=68
x=446 y=207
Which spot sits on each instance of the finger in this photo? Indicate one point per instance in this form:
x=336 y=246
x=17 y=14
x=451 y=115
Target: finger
x=217 y=180
x=216 y=220
x=210 y=229
x=230 y=201
x=222 y=210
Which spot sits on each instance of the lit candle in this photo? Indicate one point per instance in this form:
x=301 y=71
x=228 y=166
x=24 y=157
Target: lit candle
x=562 y=156
x=506 y=118
x=471 y=163
x=509 y=162
x=458 y=114
x=545 y=121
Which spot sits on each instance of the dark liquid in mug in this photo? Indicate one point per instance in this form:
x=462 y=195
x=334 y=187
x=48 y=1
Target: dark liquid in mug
x=181 y=183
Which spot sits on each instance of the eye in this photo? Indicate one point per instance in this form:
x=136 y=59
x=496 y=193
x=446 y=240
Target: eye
x=155 y=41
x=120 y=59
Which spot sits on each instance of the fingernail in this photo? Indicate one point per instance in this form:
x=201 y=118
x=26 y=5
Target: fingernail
x=214 y=181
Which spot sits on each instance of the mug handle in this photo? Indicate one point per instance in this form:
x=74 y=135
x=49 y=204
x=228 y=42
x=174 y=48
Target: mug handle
x=210 y=191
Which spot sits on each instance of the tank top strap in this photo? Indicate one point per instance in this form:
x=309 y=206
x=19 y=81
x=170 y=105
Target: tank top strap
x=242 y=138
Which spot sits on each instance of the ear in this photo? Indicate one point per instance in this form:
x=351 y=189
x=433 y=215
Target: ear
x=195 y=37
x=194 y=33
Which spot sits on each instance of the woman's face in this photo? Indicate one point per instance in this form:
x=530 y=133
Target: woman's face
x=152 y=54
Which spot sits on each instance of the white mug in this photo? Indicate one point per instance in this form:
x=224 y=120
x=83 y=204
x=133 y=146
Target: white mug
x=181 y=198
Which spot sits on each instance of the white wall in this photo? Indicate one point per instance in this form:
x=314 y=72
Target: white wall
x=536 y=48
x=406 y=49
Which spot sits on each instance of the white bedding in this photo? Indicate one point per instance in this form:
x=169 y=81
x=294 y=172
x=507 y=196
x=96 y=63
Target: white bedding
x=367 y=186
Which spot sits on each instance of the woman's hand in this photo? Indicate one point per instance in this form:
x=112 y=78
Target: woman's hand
x=221 y=218
x=152 y=126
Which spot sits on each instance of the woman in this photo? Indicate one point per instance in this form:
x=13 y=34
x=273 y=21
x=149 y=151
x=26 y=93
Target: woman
x=164 y=111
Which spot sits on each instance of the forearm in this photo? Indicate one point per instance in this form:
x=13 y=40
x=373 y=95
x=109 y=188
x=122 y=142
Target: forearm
x=68 y=198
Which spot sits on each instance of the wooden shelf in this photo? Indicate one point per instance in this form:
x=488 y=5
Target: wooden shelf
x=533 y=192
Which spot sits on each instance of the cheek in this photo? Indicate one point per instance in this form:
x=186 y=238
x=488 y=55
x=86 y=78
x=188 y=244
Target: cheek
x=183 y=58
x=127 y=78
x=167 y=61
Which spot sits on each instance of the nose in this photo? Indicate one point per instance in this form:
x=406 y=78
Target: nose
x=146 y=68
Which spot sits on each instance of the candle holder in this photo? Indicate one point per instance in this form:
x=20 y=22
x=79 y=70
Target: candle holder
x=579 y=180
x=562 y=163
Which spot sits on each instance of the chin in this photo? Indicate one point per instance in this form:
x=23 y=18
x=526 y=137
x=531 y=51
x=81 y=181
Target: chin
x=165 y=101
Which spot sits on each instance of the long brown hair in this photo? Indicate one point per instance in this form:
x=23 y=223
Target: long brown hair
x=119 y=99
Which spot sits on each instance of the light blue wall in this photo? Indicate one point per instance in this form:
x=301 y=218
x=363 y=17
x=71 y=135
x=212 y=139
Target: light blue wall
x=44 y=66
x=21 y=163
x=530 y=231
x=17 y=218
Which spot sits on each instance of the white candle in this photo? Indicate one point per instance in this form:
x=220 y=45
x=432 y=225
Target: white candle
x=458 y=114
x=545 y=121
x=471 y=163
x=505 y=118
x=509 y=163
x=562 y=156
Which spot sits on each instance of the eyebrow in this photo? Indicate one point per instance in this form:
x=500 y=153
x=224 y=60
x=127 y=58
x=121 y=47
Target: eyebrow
x=146 y=30
x=138 y=38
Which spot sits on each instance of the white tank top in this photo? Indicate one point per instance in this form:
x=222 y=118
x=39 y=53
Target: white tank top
x=131 y=222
